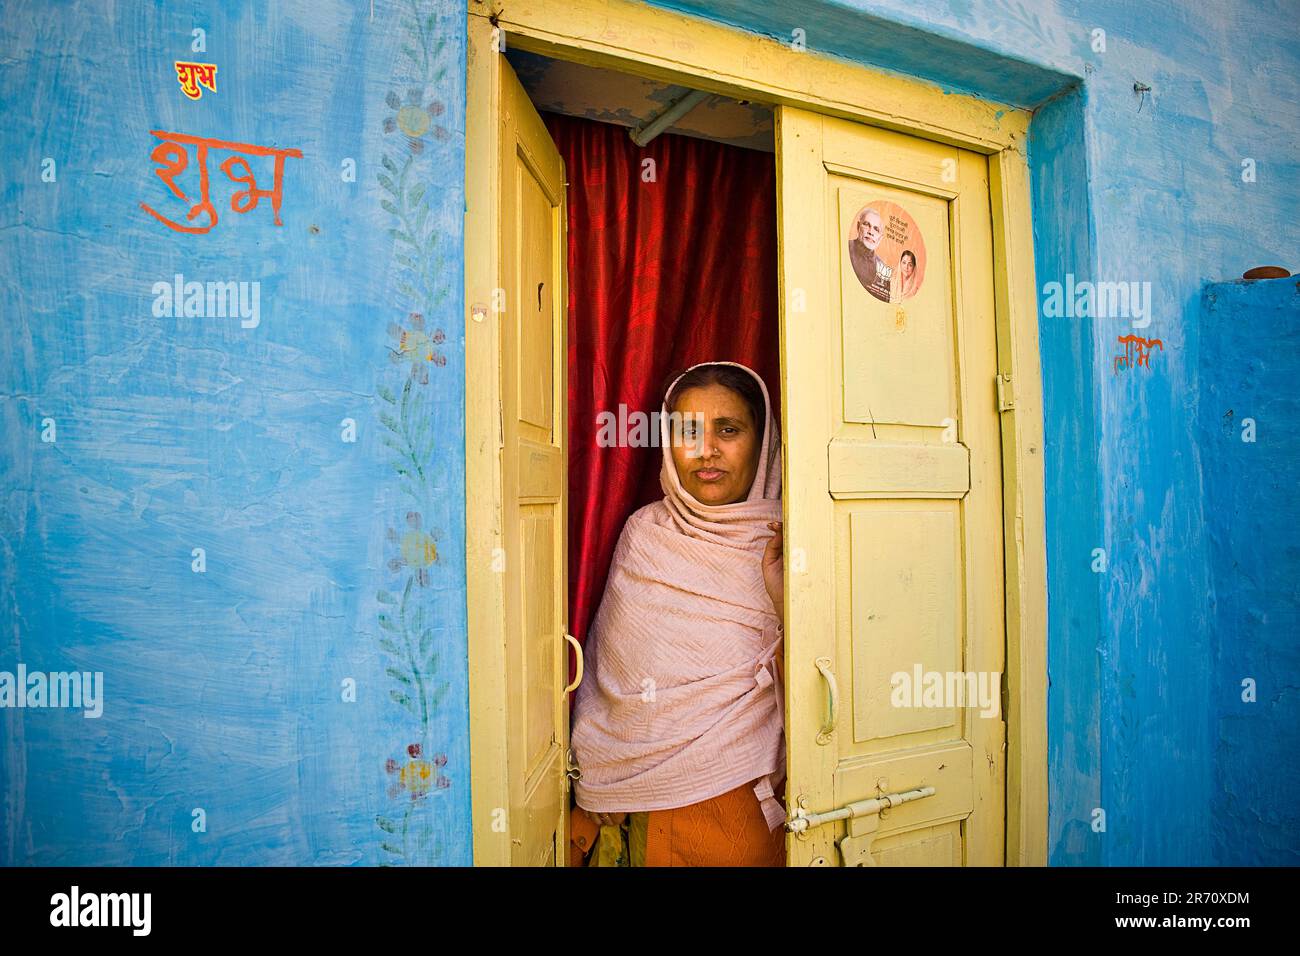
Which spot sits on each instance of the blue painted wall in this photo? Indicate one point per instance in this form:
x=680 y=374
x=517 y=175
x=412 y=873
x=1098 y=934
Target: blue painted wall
x=1249 y=404
x=225 y=690
x=1139 y=187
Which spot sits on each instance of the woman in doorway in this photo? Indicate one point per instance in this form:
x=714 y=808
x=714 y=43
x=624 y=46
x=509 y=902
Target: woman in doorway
x=678 y=729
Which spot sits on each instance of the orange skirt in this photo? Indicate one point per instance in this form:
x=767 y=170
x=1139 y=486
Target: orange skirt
x=726 y=830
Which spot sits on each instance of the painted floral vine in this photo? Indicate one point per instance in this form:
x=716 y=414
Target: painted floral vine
x=406 y=637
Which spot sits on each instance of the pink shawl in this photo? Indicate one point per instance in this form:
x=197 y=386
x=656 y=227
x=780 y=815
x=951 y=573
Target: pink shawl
x=682 y=700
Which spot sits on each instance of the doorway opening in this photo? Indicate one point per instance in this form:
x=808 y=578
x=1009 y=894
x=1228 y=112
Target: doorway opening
x=672 y=261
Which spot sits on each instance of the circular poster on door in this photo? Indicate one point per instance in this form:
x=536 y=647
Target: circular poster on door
x=886 y=251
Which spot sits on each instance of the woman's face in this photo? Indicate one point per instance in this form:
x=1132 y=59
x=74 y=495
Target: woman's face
x=716 y=452
x=909 y=266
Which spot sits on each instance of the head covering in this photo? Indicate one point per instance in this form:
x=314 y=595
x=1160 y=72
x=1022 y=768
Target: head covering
x=742 y=523
x=682 y=700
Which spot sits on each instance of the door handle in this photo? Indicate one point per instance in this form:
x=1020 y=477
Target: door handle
x=828 y=728
x=577 y=649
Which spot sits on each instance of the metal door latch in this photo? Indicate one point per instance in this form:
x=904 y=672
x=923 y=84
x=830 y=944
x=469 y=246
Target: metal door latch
x=864 y=820
x=571 y=769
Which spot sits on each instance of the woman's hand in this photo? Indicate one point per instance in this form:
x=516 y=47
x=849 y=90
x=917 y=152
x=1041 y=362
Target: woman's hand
x=605 y=819
x=774 y=570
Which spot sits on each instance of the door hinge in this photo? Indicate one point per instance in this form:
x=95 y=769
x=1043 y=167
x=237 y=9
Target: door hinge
x=1006 y=394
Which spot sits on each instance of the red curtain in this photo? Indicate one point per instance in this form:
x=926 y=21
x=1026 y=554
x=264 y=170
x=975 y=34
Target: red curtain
x=669 y=265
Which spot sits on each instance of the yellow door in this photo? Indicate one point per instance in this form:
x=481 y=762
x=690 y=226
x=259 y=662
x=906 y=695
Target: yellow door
x=531 y=310
x=893 y=499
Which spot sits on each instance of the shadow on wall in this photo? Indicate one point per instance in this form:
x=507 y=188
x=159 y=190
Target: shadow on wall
x=1063 y=252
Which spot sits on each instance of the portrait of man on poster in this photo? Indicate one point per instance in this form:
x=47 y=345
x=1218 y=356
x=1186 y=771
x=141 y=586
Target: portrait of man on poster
x=870 y=269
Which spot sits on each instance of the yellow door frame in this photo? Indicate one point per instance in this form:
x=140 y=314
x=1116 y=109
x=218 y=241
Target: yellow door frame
x=633 y=38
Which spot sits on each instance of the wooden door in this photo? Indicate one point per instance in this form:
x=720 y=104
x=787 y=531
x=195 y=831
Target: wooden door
x=534 y=477
x=894 y=544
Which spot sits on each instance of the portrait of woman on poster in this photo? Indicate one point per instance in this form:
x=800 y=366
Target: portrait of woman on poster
x=678 y=727
x=905 y=279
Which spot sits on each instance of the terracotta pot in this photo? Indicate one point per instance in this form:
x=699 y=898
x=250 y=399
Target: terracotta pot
x=1266 y=272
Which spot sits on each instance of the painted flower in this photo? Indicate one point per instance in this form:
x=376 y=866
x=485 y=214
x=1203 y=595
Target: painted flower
x=417 y=776
x=416 y=346
x=417 y=548
x=414 y=118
